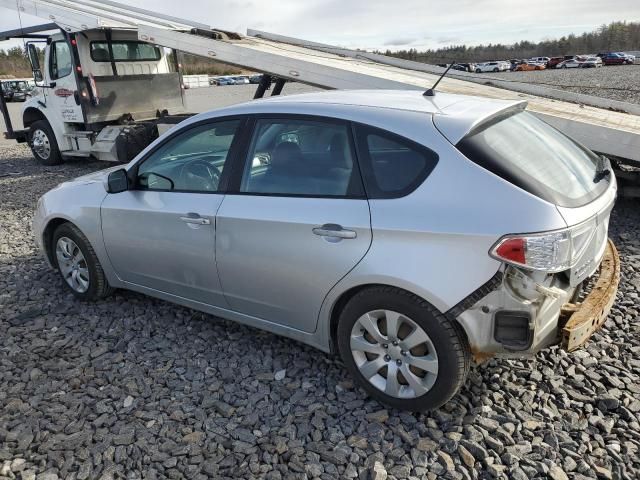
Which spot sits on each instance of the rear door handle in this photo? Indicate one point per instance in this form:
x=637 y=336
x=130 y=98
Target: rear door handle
x=334 y=230
x=195 y=219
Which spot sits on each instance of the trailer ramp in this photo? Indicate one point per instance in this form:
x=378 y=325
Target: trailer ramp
x=609 y=127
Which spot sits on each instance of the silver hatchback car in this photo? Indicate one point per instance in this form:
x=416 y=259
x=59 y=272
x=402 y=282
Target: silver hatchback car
x=410 y=234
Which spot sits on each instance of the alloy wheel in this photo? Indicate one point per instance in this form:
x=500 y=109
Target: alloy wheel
x=72 y=264
x=394 y=354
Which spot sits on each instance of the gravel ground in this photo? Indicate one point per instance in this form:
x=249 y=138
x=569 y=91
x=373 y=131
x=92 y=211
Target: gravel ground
x=613 y=82
x=132 y=387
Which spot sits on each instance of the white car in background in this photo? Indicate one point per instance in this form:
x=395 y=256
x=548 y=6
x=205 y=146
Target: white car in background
x=492 y=67
x=572 y=63
x=591 y=62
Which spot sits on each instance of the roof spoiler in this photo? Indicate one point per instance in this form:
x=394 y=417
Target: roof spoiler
x=460 y=119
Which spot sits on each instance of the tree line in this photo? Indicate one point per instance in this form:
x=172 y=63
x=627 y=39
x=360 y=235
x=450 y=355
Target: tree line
x=614 y=37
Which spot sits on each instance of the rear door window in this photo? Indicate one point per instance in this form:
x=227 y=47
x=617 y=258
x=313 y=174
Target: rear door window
x=536 y=157
x=392 y=166
x=292 y=156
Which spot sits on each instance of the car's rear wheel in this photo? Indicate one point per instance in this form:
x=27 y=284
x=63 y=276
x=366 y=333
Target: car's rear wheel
x=43 y=143
x=78 y=263
x=496 y=69
x=401 y=350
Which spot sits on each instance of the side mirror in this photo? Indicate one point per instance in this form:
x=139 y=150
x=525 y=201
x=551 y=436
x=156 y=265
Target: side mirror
x=34 y=59
x=117 y=181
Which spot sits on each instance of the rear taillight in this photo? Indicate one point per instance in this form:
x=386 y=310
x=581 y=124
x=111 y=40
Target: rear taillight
x=549 y=252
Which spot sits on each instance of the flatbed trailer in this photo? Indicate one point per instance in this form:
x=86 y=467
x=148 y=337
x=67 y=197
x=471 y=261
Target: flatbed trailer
x=608 y=127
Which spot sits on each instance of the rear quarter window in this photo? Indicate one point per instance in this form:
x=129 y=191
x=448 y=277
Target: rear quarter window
x=392 y=166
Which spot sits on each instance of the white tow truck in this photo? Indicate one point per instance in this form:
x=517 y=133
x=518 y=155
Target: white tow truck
x=111 y=82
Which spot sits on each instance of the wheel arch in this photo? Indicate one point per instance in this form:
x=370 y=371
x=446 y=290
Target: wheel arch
x=47 y=237
x=342 y=300
x=32 y=115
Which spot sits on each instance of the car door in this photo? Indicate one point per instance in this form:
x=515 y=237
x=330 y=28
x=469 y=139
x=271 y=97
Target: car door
x=296 y=222
x=160 y=234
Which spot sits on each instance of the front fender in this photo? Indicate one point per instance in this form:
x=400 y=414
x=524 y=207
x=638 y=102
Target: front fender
x=60 y=204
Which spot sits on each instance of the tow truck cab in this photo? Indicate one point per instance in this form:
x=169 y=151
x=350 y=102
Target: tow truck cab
x=101 y=93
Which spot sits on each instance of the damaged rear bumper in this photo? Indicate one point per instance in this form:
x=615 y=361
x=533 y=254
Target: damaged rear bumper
x=583 y=319
x=526 y=312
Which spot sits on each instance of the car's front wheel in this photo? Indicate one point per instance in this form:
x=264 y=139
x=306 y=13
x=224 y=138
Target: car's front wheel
x=78 y=263
x=401 y=350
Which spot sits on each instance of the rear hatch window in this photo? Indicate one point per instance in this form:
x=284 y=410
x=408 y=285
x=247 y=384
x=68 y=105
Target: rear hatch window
x=536 y=157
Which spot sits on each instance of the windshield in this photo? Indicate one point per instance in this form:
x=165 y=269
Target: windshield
x=536 y=157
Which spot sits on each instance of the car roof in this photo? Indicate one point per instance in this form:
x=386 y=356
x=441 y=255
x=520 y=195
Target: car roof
x=456 y=114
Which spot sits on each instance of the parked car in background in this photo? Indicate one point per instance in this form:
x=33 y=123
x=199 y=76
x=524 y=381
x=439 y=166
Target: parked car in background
x=255 y=78
x=529 y=67
x=613 y=59
x=591 y=62
x=540 y=60
x=573 y=63
x=241 y=80
x=221 y=81
x=514 y=62
x=290 y=237
x=495 y=66
x=631 y=59
x=15 y=90
x=464 y=67
x=554 y=61
x=6 y=92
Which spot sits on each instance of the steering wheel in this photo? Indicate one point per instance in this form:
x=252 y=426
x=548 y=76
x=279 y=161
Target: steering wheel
x=200 y=175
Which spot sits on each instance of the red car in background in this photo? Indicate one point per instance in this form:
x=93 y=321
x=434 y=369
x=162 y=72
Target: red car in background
x=554 y=61
x=613 y=58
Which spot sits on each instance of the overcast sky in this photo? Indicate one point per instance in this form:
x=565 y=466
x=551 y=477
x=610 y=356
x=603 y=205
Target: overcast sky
x=383 y=24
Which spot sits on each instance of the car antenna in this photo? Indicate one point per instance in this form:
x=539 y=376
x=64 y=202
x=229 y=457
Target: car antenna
x=432 y=91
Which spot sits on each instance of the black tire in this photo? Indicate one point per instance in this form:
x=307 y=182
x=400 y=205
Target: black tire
x=496 y=70
x=449 y=340
x=478 y=70
x=98 y=285
x=39 y=128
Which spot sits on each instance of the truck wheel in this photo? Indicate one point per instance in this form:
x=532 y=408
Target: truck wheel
x=43 y=143
x=78 y=263
x=401 y=350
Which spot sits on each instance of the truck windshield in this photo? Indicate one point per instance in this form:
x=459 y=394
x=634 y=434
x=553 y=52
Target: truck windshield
x=536 y=157
x=124 y=51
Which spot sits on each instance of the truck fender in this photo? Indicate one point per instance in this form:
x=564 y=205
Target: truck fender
x=32 y=114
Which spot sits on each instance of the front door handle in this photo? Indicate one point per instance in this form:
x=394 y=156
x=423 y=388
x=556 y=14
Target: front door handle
x=195 y=219
x=334 y=230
